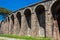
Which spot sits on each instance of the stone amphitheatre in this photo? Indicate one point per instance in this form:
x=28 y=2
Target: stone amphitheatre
x=39 y=19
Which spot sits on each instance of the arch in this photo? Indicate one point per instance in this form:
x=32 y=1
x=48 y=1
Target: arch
x=55 y=9
x=40 y=13
x=27 y=14
x=0 y=25
x=39 y=9
x=8 y=19
x=18 y=15
x=12 y=23
x=12 y=17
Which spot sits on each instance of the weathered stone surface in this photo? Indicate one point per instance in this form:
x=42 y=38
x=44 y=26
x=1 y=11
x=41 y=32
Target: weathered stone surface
x=42 y=21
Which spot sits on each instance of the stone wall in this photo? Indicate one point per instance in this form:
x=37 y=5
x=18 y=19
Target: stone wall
x=34 y=20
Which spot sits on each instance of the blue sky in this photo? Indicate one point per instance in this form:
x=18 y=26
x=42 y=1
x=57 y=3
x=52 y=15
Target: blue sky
x=14 y=5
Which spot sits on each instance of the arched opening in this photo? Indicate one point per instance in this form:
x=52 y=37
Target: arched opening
x=12 y=24
x=8 y=19
x=56 y=12
x=12 y=17
x=18 y=15
x=40 y=13
x=58 y=19
x=27 y=13
x=0 y=25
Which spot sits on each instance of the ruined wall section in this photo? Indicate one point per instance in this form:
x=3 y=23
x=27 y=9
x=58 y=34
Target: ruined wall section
x=36 y=20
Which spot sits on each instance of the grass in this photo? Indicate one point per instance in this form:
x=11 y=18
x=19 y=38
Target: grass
x=24 y=37
x=1 y=39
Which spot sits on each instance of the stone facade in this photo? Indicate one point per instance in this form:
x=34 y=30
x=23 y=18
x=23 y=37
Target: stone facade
x=39 y=19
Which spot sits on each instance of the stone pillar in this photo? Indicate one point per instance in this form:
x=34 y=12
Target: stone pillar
x=7 y=26
x=10 y=25
x=1 y=30
x=49 y=22
x=5 y=30
x=56 y=30
x=2 y=27
x=23 y=31
x=16 y=26
x=28 y=31
x=34 y=27
x=49 y=19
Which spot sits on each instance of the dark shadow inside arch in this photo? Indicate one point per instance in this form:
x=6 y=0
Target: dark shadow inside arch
x=12 y=17
x=18 y=15
x=58 y=19
x=40 y=12
x=27 y=13
x=56 y=12
x=0 y=25
x=8 y=19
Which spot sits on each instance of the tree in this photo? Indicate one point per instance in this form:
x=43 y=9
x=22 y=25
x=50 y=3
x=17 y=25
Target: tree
x=4 y=11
